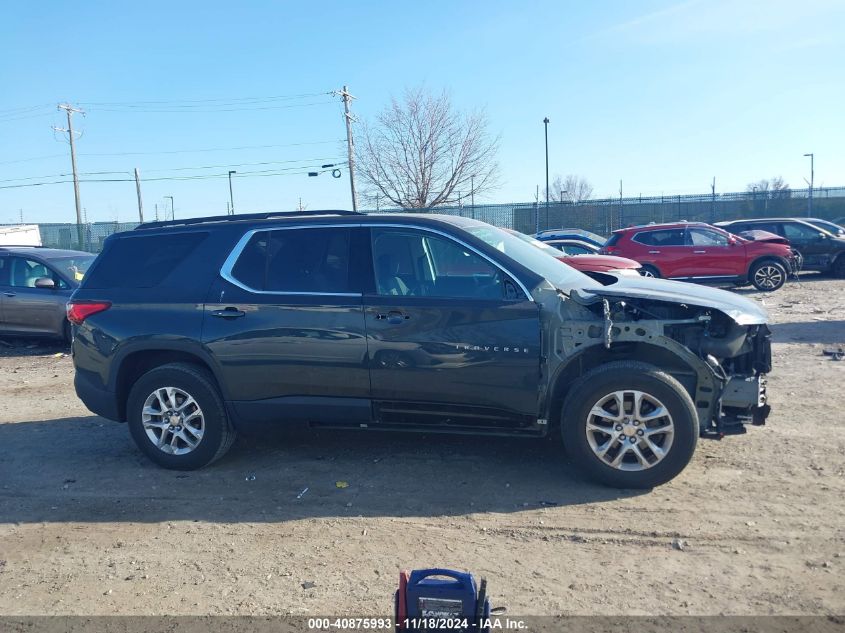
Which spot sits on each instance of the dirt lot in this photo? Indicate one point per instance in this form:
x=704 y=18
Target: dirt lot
x=88 y=526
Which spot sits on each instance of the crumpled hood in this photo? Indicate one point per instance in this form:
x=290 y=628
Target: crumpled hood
x=743 y=311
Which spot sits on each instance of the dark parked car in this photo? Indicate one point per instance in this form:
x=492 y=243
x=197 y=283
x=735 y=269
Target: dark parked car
x=35 y=284
x=699 y=252
x=189 y=329
x=820 y=249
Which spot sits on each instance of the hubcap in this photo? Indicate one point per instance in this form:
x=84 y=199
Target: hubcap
x=173 y=421
x=630 y=430
x=768 y=276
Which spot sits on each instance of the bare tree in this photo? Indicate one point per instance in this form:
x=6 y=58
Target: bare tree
x=420 y=153
x=571 y=188
x=774 y=188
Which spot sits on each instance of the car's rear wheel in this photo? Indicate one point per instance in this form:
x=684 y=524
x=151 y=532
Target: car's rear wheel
x=177 y=418
x=629 y=425
x=767 y=275
x=648 y=270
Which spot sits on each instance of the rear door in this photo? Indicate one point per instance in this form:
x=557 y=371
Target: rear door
x=453 y=340
x=285 y=323
x=666 y=249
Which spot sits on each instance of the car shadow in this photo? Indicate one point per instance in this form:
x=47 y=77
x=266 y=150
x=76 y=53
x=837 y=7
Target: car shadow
x=86 y=469
x=11 y=346
x=825 y=332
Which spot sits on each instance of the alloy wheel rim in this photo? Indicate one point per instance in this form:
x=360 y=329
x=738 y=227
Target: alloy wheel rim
x=173 y=421
x=630 y=430
x=768 y=276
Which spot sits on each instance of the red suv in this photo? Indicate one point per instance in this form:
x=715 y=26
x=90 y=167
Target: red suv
x=695 y=251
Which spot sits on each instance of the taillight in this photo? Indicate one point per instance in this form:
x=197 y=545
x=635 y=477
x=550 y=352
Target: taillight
x=78 y=311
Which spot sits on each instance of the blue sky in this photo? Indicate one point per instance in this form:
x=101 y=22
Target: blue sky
x=663 y=95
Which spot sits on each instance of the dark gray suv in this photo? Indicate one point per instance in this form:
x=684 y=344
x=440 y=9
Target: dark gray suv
x=188 y=330
x=35 y=285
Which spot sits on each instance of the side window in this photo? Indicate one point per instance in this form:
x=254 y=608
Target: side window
x=777 y=229
x=142 y=261
x=665 y=237
x=706 y=237
x=800 y=232
x=418 y=264
x=574 y=249
x=5 y=271
x=24 y=272
x=296 y=260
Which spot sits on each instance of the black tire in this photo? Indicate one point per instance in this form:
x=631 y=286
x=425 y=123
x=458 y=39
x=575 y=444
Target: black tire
x=767 y=275
x=218 y=434
x=647 y=270
x=589 y=390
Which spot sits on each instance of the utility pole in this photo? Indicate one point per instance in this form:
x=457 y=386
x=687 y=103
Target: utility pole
x=350 y=144
x=70 y=110
x=713 y=202
x=231 y=197
x=546 y=130
x=156 y=211
x=812 y=176
x=621 y=216
x=138 y=191
x=172 y=209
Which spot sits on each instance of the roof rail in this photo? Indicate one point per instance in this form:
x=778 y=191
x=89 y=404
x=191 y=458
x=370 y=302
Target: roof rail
x=243 y=216
x=22 y=246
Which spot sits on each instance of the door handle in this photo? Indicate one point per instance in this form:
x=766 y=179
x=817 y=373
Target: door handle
x=653 y=252
x=11 y=294
x=228 y=313
x=393 y=317
x=699 y=252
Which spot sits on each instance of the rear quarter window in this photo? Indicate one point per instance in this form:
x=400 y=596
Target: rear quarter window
x=613 y=239
x=142 y=261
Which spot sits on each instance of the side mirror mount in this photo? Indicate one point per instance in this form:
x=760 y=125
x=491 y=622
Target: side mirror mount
x=45 y=282
x=823 y=236
x=732 y=241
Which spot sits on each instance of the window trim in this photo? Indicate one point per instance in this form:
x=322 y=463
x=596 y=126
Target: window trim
x=231 y=260
x=638 y=233
x=229 y=263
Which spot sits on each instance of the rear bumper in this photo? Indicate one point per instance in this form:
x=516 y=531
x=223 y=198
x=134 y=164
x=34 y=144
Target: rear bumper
x=98 y=400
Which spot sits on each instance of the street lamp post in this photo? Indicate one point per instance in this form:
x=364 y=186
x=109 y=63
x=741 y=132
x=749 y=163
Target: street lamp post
x=472 y=194
x=810 y=198
x=172 y=208
x=546 y=131
x=231 y=197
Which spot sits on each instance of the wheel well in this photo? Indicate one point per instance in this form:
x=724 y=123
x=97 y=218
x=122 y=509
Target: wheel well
x=137 y=364
x=594 y=356
x=766 y=258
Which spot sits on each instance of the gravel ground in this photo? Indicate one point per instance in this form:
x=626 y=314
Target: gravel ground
x=755 y=525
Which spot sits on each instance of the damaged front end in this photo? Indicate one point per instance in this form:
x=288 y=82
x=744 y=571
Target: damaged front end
x=715 y=343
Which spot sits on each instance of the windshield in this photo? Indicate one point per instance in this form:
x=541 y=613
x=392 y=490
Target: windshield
x=830 y=227
x=534 y=259
x=73 y=267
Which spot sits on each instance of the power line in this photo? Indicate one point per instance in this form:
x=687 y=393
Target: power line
x=209 y=100
x=210 y=111
x=299 y=170
x=211 y=149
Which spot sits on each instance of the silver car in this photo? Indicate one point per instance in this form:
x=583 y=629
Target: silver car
x=35 y=284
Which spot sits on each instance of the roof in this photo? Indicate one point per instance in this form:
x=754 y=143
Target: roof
x=318 y=217
x=663 y=225
x=44 y=253
x=726 y=222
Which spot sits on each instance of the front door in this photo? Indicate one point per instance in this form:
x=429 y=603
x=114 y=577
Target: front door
x=452 y=339
x=286 y=327
x=712 y=255
x=810 y=242
x=27 y=309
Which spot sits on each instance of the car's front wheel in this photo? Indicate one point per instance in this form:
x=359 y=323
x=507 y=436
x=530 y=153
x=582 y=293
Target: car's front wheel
x=629 y=425
x=767 y=275
x=177 y=418
x=648 y=270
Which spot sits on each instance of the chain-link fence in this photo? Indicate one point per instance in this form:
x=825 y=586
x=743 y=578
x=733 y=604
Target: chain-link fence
x=599 y=216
